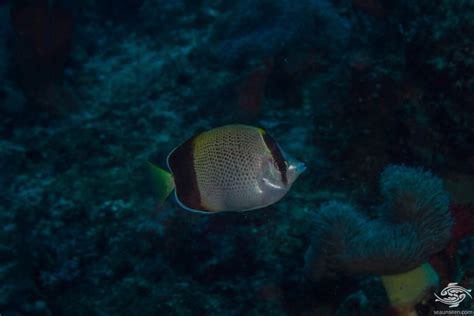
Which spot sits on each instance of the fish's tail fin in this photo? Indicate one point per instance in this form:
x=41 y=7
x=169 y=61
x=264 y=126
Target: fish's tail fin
x=162 y=182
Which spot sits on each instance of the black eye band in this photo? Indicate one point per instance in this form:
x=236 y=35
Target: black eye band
x=277 y=155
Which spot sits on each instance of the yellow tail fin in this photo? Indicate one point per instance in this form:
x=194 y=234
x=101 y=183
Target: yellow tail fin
x=162 y=181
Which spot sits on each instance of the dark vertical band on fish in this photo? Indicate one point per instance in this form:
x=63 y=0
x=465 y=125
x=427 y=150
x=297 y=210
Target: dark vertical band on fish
x=181 y=163
x=277 y=155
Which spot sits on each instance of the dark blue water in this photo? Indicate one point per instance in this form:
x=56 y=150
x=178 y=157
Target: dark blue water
x=376 y=97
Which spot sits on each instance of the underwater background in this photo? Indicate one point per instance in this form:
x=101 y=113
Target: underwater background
x=376 y=97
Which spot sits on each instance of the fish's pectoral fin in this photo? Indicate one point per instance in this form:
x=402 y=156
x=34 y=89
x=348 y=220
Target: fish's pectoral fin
x=162 y=182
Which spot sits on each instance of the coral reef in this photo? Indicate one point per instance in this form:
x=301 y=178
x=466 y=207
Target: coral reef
x=349 y=87
x=262 y=29
x=412 y=224
x=404 y=90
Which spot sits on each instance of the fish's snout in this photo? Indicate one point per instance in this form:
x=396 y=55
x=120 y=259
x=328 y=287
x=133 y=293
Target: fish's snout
x=300 y=167
x=295 y=168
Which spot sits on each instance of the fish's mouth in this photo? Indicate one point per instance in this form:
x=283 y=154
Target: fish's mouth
x=298 y=167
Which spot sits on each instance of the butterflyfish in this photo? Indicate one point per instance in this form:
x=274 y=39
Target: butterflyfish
x=228 y=168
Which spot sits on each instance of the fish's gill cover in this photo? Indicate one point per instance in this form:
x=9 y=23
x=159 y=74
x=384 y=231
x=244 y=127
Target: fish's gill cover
x=413 y=223
x=227 y=162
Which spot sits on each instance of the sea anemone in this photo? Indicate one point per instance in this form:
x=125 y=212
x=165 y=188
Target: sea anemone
x=413 y=223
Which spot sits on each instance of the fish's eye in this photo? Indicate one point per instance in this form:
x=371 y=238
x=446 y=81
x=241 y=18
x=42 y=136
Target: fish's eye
x=277 y=166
